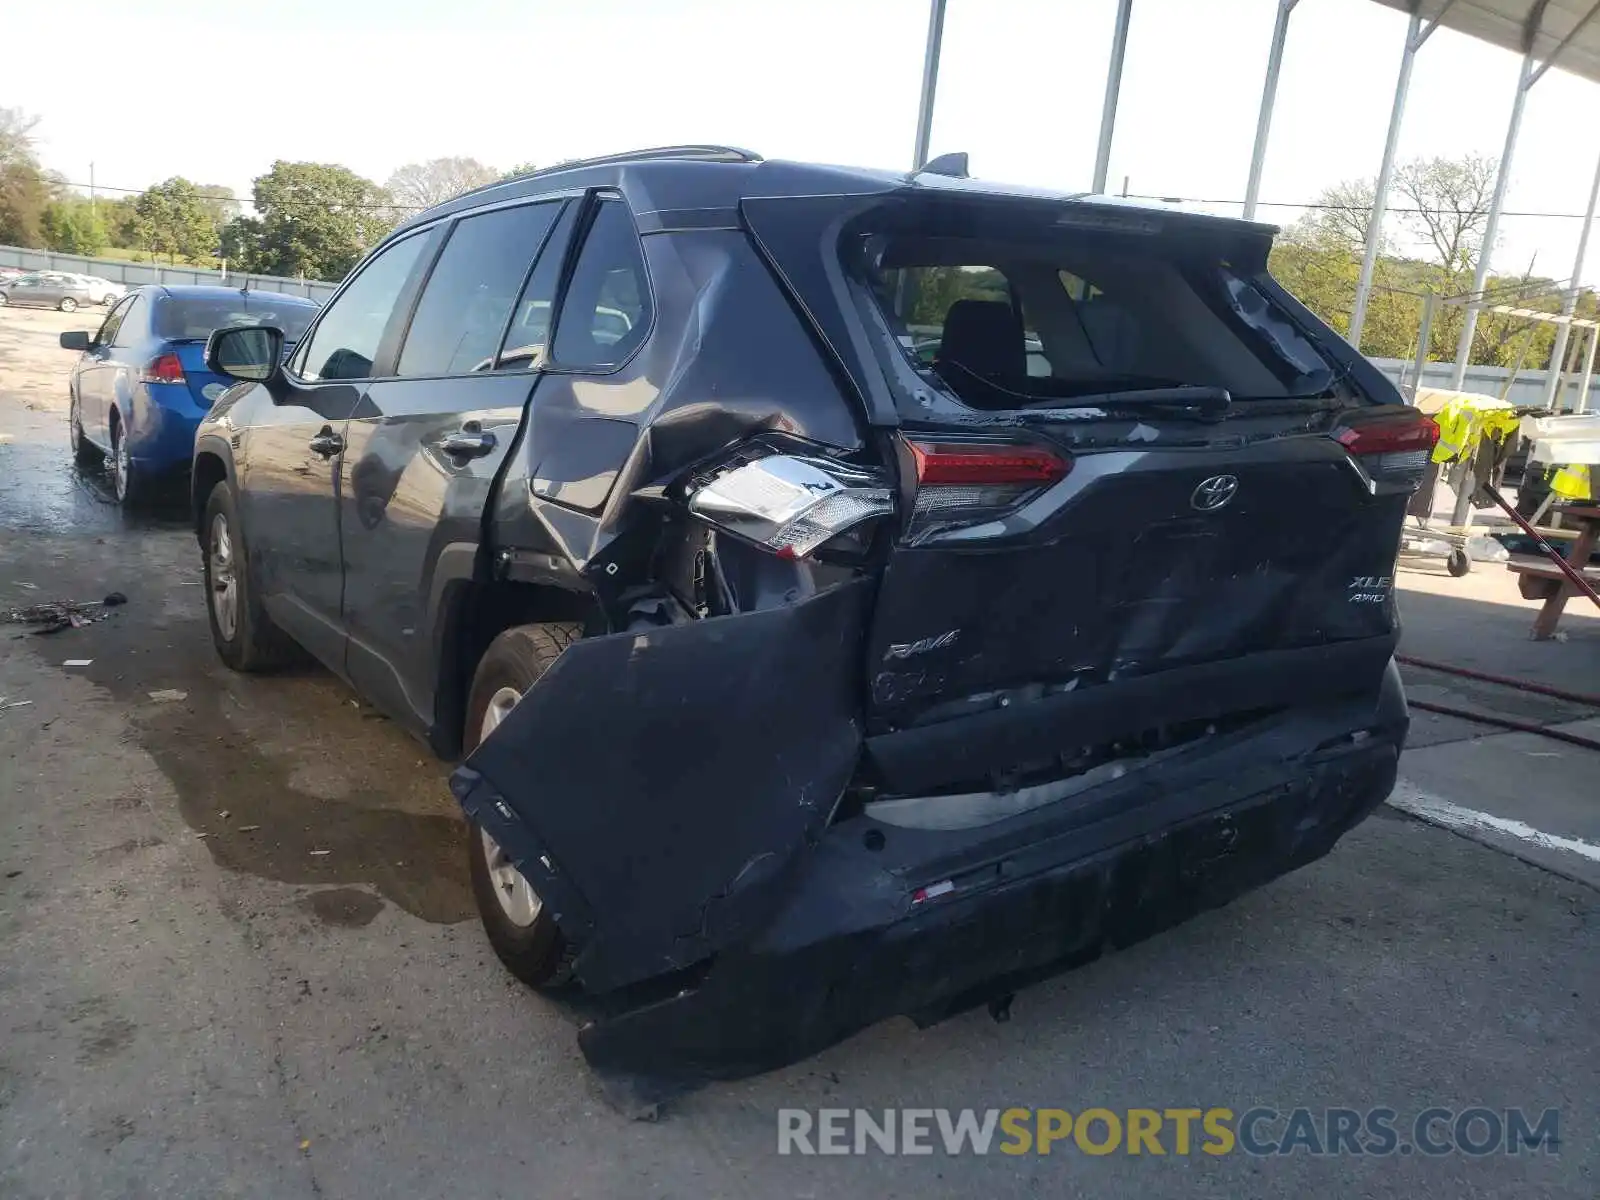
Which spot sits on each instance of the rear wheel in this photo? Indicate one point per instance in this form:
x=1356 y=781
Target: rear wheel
x=84 y=452
x=68 y=304
x=520 y=928
x=245 y=637
x=1458 y=563
x=127 y=481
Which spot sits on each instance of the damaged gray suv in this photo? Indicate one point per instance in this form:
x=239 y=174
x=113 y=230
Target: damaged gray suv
x=852 y=594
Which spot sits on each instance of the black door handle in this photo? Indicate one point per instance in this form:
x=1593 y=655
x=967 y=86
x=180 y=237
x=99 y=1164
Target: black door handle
x=327 y=443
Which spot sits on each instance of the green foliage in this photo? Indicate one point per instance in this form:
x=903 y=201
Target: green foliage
x=526 y=168
x=25 y=190
x=174 y=220
x=71 y=225
x=313 y=219
x=121 y=218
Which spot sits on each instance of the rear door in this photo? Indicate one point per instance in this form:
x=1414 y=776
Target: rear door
x=424 y=446
x=1125 y=454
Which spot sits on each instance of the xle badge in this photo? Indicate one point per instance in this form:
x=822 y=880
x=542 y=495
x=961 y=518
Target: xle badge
x=1370 y=589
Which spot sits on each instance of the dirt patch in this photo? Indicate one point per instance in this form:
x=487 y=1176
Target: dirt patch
x=350 y=908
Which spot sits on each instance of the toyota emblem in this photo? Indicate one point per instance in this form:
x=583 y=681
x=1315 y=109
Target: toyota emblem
x=1214 y=493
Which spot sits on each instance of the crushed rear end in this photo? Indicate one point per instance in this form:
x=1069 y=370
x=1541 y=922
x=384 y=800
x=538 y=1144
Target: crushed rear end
x=1095 y=634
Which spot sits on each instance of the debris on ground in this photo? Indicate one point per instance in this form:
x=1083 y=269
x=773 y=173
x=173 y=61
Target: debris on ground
x=169 y=694
x=77 y=662
x=6 y=702
x=55 y=615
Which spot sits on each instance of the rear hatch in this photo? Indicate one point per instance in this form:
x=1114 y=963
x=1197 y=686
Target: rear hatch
x=1122 y=450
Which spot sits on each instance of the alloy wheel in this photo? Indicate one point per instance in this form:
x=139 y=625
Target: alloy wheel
x=520 y=903
x=224 y=579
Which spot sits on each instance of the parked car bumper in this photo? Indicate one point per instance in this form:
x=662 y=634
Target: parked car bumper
x=853 y=946
x=164 y=424
x=870 y=919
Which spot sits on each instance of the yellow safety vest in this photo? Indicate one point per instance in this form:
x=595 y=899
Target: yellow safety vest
x=1571 y=482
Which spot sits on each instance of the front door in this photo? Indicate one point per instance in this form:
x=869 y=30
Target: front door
x=96 y=380
x=424 y=447
x=290 y=474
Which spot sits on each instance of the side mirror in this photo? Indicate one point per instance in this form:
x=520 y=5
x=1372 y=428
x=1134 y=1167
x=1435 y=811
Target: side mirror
x=75 y=339
x=250 y=352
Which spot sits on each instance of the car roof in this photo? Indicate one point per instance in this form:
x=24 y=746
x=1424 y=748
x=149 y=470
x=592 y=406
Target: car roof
x=662 y=185
x=201 y=291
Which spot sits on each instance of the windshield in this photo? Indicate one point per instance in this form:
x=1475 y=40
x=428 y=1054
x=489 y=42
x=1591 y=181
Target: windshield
x=181 y=319
x=1008 y=322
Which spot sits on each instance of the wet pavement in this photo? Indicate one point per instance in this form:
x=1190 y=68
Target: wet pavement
x=238 y=956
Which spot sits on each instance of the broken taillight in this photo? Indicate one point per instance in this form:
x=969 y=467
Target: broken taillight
x=164 y=368
x=789 y=503
x=1392 y=449
x=966 y=483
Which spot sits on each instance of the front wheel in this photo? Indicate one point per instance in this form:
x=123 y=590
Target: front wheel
x=520 y=928
x=245 y=637
x=68 y=304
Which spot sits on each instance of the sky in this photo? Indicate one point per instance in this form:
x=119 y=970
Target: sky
x=215 y=93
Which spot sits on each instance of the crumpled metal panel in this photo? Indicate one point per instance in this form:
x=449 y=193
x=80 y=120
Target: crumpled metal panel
x=657 y=787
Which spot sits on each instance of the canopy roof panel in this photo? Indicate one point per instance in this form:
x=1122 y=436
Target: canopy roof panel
x=1567 y=29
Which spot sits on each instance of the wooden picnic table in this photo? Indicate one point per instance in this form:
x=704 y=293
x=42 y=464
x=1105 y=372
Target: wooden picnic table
x=1540 y=579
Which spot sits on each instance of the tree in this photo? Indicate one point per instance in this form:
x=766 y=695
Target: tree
x=313 y=219
x=220 y=204
x=25 y=190
x=16 y=138
x=174 y=220
x=72 y=226
x=526 y=168
x=121 y=217
x=1448 y=199
x=422 y=185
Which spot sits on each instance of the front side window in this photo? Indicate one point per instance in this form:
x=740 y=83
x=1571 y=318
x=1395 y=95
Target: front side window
x=344 y=344
x=605 y=315
x=113 y=322
x=471 y=291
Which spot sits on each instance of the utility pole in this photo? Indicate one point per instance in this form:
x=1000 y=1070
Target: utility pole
x=91 y=188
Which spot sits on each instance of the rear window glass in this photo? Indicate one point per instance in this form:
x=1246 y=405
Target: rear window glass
x=1008 y=323
x=178 y=319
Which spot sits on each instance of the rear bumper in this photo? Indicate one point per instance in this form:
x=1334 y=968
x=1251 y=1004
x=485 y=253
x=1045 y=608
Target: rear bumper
x=1031 y=897
x=164 y=422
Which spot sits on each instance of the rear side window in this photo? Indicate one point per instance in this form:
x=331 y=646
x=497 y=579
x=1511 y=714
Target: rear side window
x=606 y=313
x=345 y=342
x=472 y=290
x=527 y=343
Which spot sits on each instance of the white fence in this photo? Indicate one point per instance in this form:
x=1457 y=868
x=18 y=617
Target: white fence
x=133 y=274
x=1528 y=389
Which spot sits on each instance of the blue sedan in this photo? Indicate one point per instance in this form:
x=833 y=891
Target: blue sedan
x=140 y=386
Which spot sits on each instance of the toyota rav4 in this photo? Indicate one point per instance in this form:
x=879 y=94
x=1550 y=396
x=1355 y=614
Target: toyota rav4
x=851 y=593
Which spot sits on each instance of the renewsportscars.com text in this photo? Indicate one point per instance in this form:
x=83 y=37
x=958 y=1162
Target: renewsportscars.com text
x=1258 y=1132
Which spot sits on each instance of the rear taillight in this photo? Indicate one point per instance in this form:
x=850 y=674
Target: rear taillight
x=789 y=503
x=1392 y=449
x=967 y=483
x=164 y=368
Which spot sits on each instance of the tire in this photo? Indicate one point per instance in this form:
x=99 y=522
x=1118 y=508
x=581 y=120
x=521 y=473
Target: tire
x=4 y=300
x=249 y=641
x=1458 y=563
x=108 y=299
x=84 y=452
x=128 y=483
x=526 y=940
x=68 y=304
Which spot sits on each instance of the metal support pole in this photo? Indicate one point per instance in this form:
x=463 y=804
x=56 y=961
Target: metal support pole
x=1415 y=36
x=1491 y=228
x=1269 y=96
x=930 y=83
x=1108 y=113
x=1582 y=404
x=1570 y=304
x=1430 y=305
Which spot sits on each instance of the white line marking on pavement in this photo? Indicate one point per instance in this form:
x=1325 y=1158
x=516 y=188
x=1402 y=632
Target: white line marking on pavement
x=1432 y=808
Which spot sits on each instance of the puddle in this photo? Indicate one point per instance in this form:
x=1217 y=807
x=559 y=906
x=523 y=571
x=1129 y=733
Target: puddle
x=350 y=908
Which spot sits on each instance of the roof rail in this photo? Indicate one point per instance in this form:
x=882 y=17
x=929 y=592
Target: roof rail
x=701 y=153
